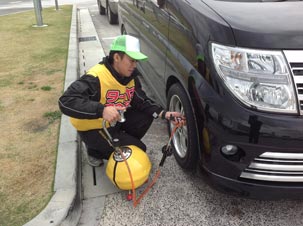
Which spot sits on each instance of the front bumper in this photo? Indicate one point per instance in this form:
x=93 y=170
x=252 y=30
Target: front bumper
x=253 y=190
x=269 y=161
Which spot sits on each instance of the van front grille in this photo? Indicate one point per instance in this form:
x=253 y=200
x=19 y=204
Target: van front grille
x=275 y=167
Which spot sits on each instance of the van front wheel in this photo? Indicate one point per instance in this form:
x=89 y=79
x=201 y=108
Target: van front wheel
x=185 y=139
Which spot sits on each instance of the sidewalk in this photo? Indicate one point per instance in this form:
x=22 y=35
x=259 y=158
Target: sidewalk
x=66 y=205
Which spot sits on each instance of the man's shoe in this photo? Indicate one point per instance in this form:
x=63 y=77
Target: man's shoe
x=92 y=161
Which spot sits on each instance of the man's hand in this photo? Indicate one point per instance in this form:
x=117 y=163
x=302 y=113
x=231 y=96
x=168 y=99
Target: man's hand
x=175 y=117
x=111 y=114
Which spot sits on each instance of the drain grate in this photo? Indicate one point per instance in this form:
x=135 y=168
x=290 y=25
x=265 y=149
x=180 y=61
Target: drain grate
x=87 y=39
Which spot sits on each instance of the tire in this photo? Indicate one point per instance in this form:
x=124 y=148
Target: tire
x=112 y=18
x=185 y=141
x=101 y=8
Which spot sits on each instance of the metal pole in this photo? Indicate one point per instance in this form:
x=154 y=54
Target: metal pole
x=56 y=2
x=40 y=5
x=38 y=13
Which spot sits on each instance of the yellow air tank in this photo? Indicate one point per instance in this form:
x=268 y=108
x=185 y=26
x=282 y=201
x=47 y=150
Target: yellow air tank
x=139 y=165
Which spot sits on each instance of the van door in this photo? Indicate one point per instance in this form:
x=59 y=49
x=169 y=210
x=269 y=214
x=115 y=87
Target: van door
x=182 y=52
x=149 y=23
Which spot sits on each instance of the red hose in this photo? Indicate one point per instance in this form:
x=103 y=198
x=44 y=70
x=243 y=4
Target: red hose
x=155 y=178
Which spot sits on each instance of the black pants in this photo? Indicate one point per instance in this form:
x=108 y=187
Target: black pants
x=129 y=132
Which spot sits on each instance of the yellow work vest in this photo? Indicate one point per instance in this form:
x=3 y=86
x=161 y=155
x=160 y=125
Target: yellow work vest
x=112 y=94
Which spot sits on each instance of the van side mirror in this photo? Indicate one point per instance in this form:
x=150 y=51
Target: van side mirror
x=160 y=3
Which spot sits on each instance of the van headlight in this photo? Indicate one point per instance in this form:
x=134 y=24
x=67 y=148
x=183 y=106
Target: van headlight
x=258 y=78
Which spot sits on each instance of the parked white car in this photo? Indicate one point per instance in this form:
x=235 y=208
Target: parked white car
x=109 y=7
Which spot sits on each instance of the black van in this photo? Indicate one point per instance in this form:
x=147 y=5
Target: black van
x=235 y=69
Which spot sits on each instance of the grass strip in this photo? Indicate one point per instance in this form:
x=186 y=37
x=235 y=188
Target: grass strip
x=32 y=63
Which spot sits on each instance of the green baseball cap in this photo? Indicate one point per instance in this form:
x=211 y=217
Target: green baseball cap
x=129 y=45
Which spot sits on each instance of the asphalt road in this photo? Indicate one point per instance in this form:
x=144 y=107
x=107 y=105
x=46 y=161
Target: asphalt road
x=181 y=198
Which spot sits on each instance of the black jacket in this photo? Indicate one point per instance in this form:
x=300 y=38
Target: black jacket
x=82 y=98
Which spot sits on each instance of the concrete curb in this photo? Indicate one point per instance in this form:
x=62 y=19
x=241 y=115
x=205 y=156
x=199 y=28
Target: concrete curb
x=64 y=207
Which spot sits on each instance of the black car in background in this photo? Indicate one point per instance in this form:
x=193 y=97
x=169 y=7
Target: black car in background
x=235 y=69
